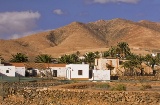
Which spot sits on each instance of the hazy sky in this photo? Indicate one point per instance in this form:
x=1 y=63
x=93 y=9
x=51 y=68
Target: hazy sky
x=24 y=17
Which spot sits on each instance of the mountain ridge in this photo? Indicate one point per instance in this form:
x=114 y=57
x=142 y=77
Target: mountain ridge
x=78 y=36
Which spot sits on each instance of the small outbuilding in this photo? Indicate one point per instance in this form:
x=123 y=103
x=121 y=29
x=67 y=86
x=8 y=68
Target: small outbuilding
x=19 y=69
x=58 y=70
x=7 y=71
x=77 y=71
x=102 y=75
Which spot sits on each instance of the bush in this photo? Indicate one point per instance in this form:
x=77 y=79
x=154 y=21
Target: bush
x=102 y=85
x=119 y=87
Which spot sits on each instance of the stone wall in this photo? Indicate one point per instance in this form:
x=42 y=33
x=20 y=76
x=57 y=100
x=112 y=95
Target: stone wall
x=145 y=78
x=51 y=96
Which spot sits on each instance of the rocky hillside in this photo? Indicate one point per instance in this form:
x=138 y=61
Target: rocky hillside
x=83 y=37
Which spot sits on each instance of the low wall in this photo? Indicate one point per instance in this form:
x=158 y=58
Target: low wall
x=145 y=78
x=48 y=96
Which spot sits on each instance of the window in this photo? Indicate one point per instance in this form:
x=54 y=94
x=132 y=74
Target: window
x=120 y=62
x=80 y=72
x=7 y=71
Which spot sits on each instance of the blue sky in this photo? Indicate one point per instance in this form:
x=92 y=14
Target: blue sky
x=19 y=18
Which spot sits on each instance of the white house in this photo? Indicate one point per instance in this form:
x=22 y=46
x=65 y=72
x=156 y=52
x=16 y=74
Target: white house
x=35 y=69
x=7 y=71
x=58 y=70
x=19 y=69
x=46 y=69
x=100 y=75
x=77 y=71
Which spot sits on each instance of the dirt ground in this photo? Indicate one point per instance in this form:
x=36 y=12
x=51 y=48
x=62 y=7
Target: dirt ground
x=130 y=86
x=90 y=86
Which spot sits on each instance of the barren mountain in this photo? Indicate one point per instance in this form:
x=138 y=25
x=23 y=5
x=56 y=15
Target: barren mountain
x=83 y=37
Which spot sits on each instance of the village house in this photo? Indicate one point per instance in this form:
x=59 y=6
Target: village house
x=46 y=69
x=77 y=71
x=36 y=69
x=58 y=70
x=19 y=69
x=7 y=71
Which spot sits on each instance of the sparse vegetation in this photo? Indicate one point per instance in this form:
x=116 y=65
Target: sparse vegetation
x=102 y=85
x=119 y=87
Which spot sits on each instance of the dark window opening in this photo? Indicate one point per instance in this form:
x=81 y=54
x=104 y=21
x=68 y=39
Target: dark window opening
x=80 y=72
x=54 y=73
x=7 y=71
x=90 y=73
x=120 y=62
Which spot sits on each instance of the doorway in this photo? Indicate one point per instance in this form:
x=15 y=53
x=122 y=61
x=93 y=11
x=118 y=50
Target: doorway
x=54 y=73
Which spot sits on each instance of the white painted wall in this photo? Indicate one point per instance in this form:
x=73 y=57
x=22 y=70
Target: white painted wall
x=20 y=71
x=11 y=70
x=72 y=71
x=61 y=71
x=101 y=75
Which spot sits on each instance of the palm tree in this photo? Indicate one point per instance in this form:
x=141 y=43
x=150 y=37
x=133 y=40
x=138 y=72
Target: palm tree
x=64 y=59
x=113 y=51
x=73 y=58
x=134 y=62
x=97 y=54
x=43 y=58
x=151 y=61
x=124 y=49
x=105 y=54
x=19 y=57
x=90 y=58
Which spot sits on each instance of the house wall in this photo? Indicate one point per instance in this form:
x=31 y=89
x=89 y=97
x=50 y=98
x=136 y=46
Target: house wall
x=11 y=70
x=101 y=75
x=19 y=71
x=61 y=71
x=33 y=72
x=101 y=63
x=72 y=71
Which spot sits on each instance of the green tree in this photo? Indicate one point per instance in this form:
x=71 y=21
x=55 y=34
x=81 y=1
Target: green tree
x=113 y=51
x=43 y=58
x=134 y=62
x=130 y=67
x=90 y=58
x=151 y=60
x=105 y=54
x=97 y=54
x=124 y=49
x=19 y=57
x=73 y=58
